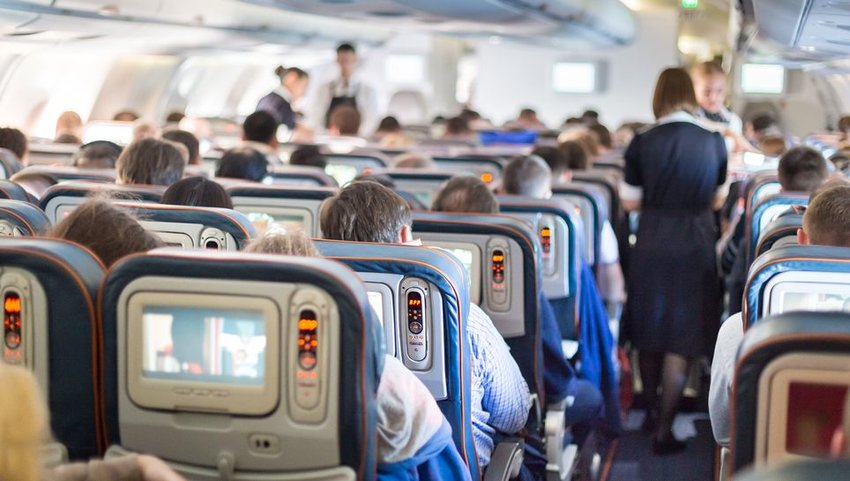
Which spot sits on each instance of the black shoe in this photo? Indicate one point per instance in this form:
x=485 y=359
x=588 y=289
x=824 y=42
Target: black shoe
x=650 y=422
x=665 y=447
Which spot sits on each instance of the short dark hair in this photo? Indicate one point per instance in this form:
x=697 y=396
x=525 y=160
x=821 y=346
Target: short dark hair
x=763 y=121
x=364 y=212
x=576 y=155
x=528 y=176
x=844 y=123
x=465 y=193
x=555 y=158
x=827 y=219
x=14 y=140
x=389 y=124
x=345 y=47
x=197 y=192
x=100 y=154
x=188 y=139
x=308 y=155
x=602 y=134
x=802 y=169
x=174 y=117
x=260 y=126
x=457 y=126
x=242 y=163
x=125 y=116
x=151 y=161
x=527 y=112
x=346 y=119
x=108 y=231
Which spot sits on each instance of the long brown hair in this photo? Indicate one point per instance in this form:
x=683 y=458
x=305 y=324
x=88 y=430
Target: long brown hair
x=674 y=91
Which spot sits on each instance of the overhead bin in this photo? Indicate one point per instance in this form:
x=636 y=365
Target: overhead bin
x=802 y=30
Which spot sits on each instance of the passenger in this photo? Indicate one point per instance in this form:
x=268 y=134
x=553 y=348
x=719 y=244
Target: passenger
x=625 y=133
x=585 y=138
x=259 y=132
x=151 y=162
x=390 y=134
x=673 y=172
x=413 y=160
x=100 y=154
x=197 y=192
x=710 y=86
x=457 y=128
x=15 y=141
x=408 y=416
x=760 y=126
x=173 y=118
x=293 y=86
x=773 y=146
x=126 y=116
x=603 y=138
x=35 y=183
x=465 y=194
x=144 y=129
x=308 y=156
x=69 y=128
x=844 y=128
x=243 y=163
x=109 y=232
x=825 y=223
x=188 y=139
x=348 y=91
x=344 y=122
x=23 y=427
x=589 y=117
x=801 y=169
x=370 y=212
x=527 y=120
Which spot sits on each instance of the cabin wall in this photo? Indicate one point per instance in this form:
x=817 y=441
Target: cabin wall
x=521 y=76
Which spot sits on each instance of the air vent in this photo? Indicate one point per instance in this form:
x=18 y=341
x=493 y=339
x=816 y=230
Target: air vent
x=389 y=14
x=24 y=33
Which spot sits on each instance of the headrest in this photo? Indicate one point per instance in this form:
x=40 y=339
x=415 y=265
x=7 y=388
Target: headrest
x=366 y=160
x=764 y=207
x=593 y=193
x=414 y=174
x=62 y=173
x=801 y=471
x=298 y=175
x=755 y=184
x=774 y=337
x=484 y=162
x=13 y=191
x=28 y=219
x=81 y=189
x=9 y=163
x=281 y=192
x=818 y=259
x=781 y=227
x=359 y=331
x=227 y=220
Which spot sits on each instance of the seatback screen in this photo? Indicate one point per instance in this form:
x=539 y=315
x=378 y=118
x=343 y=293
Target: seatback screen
x=222 y=346
x=376 y=300
x=815 y=414
x=279 y=223
x=341 y=173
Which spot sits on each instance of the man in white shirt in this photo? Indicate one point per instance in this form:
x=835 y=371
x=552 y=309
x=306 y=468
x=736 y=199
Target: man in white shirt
x=346 y=90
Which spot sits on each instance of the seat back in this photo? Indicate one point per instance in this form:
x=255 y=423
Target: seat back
x=500 y=253
x=421 y=184
x=759 y=187
x=13 y=191
x=241 y=366
x=289 y=207
x=802 y=471
x=291 y=175
x=590 y=202
x=9 y=163
x=194 y=227
x=345 y=167
x=765 y=211
x=61 y=199
x=52 y=154
x=18 y=218
x=50 y=326
x=488 y=169
x=63 y=173
x=608 y=182
x=782 y=231
x=422 y=297
x=797 y=278
x=790 y=388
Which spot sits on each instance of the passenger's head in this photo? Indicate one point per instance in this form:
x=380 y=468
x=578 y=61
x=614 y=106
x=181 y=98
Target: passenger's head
x=197 y=192
x=844 y=124
x=528 y=115
x=294 y=80
x=108 y=231
x=295 y=243
x=152 y=162
x=308 y=156
x=557 y=161
x=528 y=176
x=389 y=125
x=590 y=117
x=126 y=116
x=585 y=138
x=603 y=135
x=458 y=127
x=802 y=169
x=413 y=160
x=674 y=92
x=761 y=126
x=827 y=219
x=345 y=120
x=69 y=124
x=188 y=139
x=465 y=193
x=261 y=127
x=15 y=141
x=773 y=146
x=174 y=118
x=346 y=58
x=366 y=212
x=710 y=86
x=100 y=154
x=144 y=129
x=23 y=424
x=242 y=163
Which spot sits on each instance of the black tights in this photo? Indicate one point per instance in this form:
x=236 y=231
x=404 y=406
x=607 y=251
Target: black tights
x=672 y=371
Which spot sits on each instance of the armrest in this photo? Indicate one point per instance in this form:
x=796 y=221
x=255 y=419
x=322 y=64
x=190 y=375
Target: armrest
x=506 y=460
x=53 y=454
x=560 y=459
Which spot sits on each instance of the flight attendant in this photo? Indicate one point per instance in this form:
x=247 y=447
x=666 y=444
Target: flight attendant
x=346 y=90
x=293 y=85
x=673 y=171
x=710 y=88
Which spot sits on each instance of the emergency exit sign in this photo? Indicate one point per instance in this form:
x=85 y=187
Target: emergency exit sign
x=690 y=4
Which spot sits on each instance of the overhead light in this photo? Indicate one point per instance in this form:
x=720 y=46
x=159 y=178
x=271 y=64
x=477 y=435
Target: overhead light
x=634 y=5
x=495 y=40
x=109 y=10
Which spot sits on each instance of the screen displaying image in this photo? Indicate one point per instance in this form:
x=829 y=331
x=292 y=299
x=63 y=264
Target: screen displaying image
x=277 y=223
x=815 y=413
x=343 y=174
x=815 y=301
x=376 y=300
x=224 y=346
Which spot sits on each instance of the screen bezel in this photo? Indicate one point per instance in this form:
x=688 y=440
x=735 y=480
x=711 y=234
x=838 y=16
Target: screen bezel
x=475 y=280
x=803 y=282
x=196 y=396
x=305 y=214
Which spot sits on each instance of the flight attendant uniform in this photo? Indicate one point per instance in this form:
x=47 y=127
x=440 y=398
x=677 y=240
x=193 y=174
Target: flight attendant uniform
x=352 y=93
x=674 y=169
x=279 y=104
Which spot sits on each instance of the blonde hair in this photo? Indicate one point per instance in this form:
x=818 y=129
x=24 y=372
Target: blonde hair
x=23 y=424
x=674 y=91
x=705 y=69
x=295 y=243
